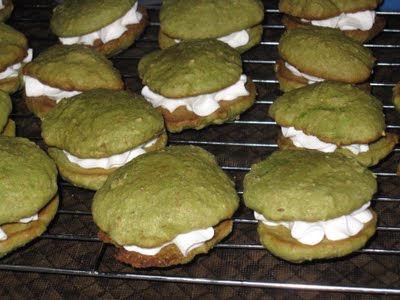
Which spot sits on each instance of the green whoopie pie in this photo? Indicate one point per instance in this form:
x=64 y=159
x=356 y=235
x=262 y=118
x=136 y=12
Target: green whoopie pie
x=6 y=11
x=7 y=126
x=70 y=68
x=160 y=195
x=336 y=113
x=202 y=19
x=193 y=68
x=13 y=50
x=28 y=187
x=299 y=13
x=80 y=17
x=310 y=187
x=324 y=53
x=99 y=124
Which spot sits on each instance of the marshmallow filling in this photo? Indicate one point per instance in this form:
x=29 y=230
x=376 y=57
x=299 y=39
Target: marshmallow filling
x=312 y=233
x=201 y=105
x=234 y=39
x=300 y=139
x=363 y=20
x=185 y=242
x=113 y=161
x=35 y=88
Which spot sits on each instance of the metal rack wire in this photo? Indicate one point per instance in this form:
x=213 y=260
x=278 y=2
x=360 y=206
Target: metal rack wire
x=238 y=261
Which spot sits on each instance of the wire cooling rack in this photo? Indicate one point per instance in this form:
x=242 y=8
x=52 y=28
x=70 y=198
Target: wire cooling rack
x=69 y=259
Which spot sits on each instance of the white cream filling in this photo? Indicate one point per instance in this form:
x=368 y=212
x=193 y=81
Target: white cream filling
x=35 y=217
x=109 y=32
x=185 y=242
x=201 y=105
x=13 y=70
x=1 y=4
x=300 y=139
x=311 y=79
x=113 y=161
x=34 y=88
x=363 y=20
x=235 y=39
x=311 y=233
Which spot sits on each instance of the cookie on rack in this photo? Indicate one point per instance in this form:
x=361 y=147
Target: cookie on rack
x=7 y=126
x=107 y=26
x=92 y=134
x=333 y=116
x=311 y=205
x=314 y=54
x=165 y=207
x=63 y=71
x=28 y=192
x=14 y=53
x=6 y=8
x=356 y=19
x=237 y=23
x=196 y=83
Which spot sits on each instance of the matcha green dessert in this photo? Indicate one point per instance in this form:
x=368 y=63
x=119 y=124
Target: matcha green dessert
x=107 y=26
x=237 y=23
x=356 y=19
x=92 y=134
x=311 y=205
x=333 y=116
x=6 y=8
x=64 y=71
x=7 y=126
x=29 y=177
x=196 y=83
x=14 y=53
x=151 y=207
x=312 y=54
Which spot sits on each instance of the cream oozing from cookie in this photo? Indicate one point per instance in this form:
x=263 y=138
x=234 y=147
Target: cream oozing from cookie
x=185 y=242
x=201 y=105
x=109 y=32
x=312 y=233
x=363 y=20
x=311 y=79
x=234 y=39
x=113 y=161
x=35 y=88
x=13 y=70
x=300 y=139
x=35 y=217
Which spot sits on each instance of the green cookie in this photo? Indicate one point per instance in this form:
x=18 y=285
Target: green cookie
x=5 y=109
x=191 y=68
x=201 y=19
x=100 y=123
x=336 y=113
x=326 y=53
x=307 y=186
x=6 y=11
x=29 y=179
x=324 y=9
x=161 y=194
x=74 y=68
x=79 y=17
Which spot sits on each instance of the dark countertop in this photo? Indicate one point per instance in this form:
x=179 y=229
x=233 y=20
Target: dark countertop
x=69 y=261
